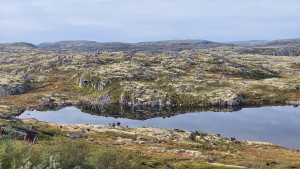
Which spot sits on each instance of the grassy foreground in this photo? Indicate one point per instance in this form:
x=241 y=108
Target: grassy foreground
x=121 y=147
x=61 y=152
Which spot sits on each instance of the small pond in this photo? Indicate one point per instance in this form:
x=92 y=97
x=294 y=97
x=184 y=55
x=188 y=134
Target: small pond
x=277 y=124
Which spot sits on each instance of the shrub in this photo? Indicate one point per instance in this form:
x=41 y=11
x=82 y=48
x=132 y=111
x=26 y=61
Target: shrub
x=63 y=153
x=12 y=153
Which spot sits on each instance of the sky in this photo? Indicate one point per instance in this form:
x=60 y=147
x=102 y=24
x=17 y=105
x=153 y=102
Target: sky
x=37 y=21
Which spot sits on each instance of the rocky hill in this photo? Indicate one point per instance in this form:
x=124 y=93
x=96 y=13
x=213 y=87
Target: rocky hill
x=283 y=47
x=273 y=43
x=162 y=74
x=248 y=42
x=282 y=43
x=17 y=46
x=91 y=46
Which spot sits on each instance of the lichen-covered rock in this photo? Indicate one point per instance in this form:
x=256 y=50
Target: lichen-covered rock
x=81 y=82
x=100 y=85
x=237 y=100
x=6 y=90
x=46 y=100
x=105 y=99
x=141 y=94
x=96 y=84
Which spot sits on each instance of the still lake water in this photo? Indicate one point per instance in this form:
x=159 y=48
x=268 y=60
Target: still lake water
x=277 y=124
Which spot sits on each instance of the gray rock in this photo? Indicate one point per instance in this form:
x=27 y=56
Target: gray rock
x=105 y=99
x=6 y=90
x=183 y=88
x=192 y=135
x=45 y=100
x=80 y=82
x=296 y=87
x=100 y=85
x=74 y=135
x=237 y=101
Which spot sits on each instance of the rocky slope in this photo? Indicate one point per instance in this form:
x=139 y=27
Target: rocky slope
x=189 y=78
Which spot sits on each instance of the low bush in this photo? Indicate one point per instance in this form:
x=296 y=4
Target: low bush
x=63 y=153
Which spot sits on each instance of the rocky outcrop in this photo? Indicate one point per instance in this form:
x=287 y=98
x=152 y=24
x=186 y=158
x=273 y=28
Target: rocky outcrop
x=80 y=82
x=95 y=84
x=46 y=100
x=238 y=100
x=293 y=102
x=6 y=90
x=100 y=85
x=53 y=98
x=141 y=94
x=105 y=99
x=153 y=102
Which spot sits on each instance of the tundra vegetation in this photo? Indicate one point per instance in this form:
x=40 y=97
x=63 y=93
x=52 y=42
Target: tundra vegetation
x=163 y=75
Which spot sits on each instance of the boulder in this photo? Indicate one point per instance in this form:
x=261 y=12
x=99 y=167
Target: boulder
x=6 y=90
x=74 y=135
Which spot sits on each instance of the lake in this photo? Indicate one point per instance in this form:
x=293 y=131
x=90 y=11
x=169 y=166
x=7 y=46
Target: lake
x=277 y=124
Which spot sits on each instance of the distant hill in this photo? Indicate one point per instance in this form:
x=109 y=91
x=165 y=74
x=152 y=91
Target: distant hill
x=282 y=47
x=274 y=43
x=85 y=46
x=17 y=46
x=248 y=42
x=282 y=42
x=91 y=46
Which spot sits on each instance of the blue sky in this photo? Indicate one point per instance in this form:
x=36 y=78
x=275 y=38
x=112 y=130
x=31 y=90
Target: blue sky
x=38 y=21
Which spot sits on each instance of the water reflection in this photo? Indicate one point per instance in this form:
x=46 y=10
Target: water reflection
x=138 y=113
x=278 y=124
